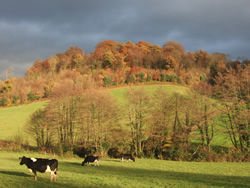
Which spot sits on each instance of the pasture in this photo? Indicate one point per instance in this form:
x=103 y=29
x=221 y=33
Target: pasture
x=119 y=93
x=13 y=119
x=113 y=173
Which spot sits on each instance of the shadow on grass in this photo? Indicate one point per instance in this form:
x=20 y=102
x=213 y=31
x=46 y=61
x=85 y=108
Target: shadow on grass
x=30 y=182
x=147 y=175
x=14 y=173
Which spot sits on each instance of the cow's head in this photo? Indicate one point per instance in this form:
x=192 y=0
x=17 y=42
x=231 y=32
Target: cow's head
x=23 y=159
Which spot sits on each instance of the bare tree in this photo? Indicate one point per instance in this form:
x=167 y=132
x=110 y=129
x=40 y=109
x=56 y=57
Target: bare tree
x=138 y=110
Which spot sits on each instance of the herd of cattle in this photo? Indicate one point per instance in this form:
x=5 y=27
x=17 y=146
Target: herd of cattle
x=51 y=165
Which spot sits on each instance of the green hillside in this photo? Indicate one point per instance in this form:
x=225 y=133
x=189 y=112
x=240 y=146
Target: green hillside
x=119 y=93
x=13 y=119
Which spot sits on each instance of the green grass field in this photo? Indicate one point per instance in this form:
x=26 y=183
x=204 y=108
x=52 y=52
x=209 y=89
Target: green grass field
x=13 y=119
x=113 y=173
x=119 y=93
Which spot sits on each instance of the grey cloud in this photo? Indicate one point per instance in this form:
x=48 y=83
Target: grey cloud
x=37 y=29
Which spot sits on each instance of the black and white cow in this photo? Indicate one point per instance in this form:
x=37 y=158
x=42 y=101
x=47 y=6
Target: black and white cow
x=91 y=159
x=41 y=165
x=127 y=157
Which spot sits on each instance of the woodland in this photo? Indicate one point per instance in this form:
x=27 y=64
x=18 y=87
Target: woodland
x=83 y=118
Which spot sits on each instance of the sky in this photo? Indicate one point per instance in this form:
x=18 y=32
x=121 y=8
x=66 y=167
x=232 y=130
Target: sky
x=33 y=29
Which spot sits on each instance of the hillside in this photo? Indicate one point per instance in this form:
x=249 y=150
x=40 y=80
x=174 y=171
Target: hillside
x=13 y=119
x=16 y=117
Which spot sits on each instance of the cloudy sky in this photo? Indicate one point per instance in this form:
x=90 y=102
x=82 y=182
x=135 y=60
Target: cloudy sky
x=32 y=29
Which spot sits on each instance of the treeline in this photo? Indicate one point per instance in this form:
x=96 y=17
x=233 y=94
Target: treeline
x=156 y=126
x=113 y=63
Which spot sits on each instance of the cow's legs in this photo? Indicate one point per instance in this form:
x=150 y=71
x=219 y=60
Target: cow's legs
x=96 y=162
x=51 y=176
x=35 y=175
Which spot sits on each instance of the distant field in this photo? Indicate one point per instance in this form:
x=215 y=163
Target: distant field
x=113 y=173
x=119 y=93
x=13 y=119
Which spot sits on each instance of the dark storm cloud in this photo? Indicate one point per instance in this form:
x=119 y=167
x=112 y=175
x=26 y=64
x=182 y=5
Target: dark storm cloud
x=33 y=29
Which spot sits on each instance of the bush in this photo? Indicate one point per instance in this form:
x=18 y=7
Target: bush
x=171 y=77
x=149 y=78
x=3 y=101
x=32 y=97
x=15 y=99
x=132 y=78
x=141 y=76
x=107 y=81
x=163 y=77
x=203 y=78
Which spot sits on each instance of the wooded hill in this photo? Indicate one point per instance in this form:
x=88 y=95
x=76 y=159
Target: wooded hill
x=113 y=64
x=81 y=114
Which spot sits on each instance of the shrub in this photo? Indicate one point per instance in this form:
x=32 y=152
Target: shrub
x=203 y=78
x=141 y=76
x=107 y=81
x=171 y=77
x=149 y=78
x=163 y=77
x=32 y=97
x=15 y=99
x=132 y=78
x=3 y=101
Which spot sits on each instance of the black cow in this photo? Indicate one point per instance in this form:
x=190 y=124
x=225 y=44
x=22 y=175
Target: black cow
x=91 y=159
x=127 y=157
x=41 y=165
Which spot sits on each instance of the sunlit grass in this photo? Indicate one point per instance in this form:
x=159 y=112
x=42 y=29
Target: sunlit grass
x=13 y=119
x=113 y=173
x=119 y=93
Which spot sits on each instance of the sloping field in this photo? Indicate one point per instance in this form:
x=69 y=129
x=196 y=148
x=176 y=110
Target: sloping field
x=113 y=173
x=13 y=119
x=119 y=93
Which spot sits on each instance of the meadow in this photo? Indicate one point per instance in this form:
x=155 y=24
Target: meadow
x=113 y=173
x=13 y=119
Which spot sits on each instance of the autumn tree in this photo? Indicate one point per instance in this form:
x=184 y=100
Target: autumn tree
x=98 y=121
x=160 y=126
x=39 y=128
x=175 y=50
x=138 y=109
x=232 y=89
x=53 y=61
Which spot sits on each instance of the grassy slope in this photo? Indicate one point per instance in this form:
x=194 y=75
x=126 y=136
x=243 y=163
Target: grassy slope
x=113 y=173
x=13 y=119
x=119 y=93
x=219 y=139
